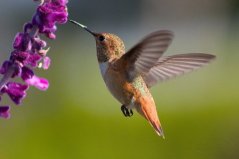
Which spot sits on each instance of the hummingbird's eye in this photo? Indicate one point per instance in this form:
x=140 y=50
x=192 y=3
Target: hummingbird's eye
x=101 y=38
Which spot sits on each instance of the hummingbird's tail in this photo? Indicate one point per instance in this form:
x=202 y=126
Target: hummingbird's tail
x=150 y=113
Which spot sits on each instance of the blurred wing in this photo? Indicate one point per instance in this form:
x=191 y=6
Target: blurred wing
x=176 y=65
x=146 y=53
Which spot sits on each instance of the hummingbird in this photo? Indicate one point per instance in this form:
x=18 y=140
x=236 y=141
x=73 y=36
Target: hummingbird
x=130 y=75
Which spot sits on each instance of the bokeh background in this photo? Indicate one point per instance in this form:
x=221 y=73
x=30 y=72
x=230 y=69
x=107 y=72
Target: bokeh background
x=78 y=118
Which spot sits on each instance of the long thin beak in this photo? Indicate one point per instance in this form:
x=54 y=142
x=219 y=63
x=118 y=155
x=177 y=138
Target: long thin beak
x=83 y=26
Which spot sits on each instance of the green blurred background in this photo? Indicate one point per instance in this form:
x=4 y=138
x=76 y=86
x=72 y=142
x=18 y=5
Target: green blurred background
x=78 y=118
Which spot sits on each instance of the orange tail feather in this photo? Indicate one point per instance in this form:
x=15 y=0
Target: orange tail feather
x=150 y=113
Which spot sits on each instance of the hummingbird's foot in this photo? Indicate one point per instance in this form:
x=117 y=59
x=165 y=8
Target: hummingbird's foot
x=127 y=112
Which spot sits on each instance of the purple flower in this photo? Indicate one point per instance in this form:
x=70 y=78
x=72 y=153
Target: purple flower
x=5 y=66
x=22 y=42
x=16 y=91
x=18 y=56
x=27 y=73
x=8 y=65
x=48 y=14
x=26 y=58
x=29 y=52
x=38 y=82
x=46 y=63
x=33 y=60
x=5 y=112
x=61 y=2
x=38 y=44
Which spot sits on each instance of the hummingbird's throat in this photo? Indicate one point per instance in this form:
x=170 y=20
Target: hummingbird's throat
x=102 y=55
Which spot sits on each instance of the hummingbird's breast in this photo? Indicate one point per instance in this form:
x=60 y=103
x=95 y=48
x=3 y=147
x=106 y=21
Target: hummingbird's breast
x=126 y=91
x=114 y=80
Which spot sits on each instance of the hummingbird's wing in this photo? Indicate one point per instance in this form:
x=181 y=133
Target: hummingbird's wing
x=172 y=66
x=143 y=56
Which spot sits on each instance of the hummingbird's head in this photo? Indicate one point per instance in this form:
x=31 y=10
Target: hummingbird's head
x=109 y=46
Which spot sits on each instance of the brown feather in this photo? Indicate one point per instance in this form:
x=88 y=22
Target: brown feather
x=172 y=66
x=146 y=53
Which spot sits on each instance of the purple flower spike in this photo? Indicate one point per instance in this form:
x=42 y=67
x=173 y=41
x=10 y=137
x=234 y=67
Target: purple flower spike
x=30 y=51
x=38 y=82
x=16 y=91
x=5 y=112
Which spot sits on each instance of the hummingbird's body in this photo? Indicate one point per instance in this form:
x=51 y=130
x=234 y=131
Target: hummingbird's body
x=129 y=75
x=128 y=88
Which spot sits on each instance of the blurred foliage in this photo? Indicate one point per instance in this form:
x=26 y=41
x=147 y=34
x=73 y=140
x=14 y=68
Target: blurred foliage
x=78 y=118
